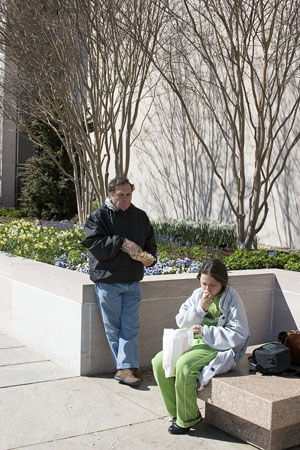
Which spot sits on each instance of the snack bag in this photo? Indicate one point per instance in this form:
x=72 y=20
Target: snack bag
x=137 y=253
x=144 y=257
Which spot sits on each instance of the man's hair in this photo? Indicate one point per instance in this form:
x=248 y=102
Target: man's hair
x=215 y=268
x=117 y=181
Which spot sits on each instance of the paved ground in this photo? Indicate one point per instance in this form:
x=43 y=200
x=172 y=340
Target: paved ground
x=42 y=406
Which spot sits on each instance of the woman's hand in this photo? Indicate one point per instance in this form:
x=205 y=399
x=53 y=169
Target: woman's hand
x=196 y=329
x=206 y=301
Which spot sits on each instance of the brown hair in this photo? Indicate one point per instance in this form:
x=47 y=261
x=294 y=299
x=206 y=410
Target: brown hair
x=216 y=269
x=117 y=181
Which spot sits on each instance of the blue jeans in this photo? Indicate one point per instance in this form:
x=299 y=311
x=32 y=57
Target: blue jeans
x=119 y=305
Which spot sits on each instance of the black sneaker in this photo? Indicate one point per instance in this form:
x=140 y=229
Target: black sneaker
x=176 y=429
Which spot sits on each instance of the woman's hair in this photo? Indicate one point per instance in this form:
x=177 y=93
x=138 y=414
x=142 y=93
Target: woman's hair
x=216 y=269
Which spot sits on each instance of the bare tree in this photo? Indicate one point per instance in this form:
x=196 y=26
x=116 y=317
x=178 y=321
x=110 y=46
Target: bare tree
x=286 y=194
x=70 y=64
x=182 y=170
x=244 y=56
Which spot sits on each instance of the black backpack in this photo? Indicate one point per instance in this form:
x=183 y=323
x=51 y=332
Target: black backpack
x=270 y=359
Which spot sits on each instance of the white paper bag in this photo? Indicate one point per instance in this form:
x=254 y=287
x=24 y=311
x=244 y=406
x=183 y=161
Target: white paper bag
x=175 y=343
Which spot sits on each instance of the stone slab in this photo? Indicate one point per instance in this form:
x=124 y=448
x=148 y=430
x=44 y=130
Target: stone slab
x=95 y=357
x=8 y=341
x=148 y=395
x=68 y=283
x=62 y=409
x=286 y=312
x=92 y=413
x=288 y=280
x=18 y=355
x=29 y=373
x=271 y=402
x=48 y=323
x=5 y=304
x=150 y=435
x=261 y=410
x=280 y=439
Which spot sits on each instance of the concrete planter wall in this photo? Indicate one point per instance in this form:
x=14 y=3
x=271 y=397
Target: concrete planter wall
x=54 y=310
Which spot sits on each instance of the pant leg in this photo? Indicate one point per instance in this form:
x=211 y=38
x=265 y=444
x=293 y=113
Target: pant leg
x=109 y=299
x=180 y=393
x=130 y=326
x=119 y=305
x=166 y=385
x=188 y=366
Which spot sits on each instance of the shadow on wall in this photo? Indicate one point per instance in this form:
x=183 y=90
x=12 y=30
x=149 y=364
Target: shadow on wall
x=286 y=310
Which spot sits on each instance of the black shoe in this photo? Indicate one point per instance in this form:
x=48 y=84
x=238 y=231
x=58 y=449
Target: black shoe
x=176 y=429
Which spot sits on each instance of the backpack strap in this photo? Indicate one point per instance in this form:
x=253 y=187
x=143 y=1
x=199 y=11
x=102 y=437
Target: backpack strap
x=254 y=367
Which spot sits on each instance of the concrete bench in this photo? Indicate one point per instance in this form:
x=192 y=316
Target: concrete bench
x=261 y=410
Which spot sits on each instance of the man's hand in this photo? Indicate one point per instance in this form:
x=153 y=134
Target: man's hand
x=135 y=252
x=147 y=263
x=130 y=247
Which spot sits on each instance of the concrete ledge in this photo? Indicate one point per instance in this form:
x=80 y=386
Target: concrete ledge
x=261 y=410
x=54 y=310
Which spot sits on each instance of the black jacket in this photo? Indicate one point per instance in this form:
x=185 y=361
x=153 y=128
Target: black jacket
x=105 y=231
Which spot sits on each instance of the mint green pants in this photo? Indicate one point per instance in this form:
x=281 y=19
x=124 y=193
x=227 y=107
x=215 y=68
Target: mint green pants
x=180 y=392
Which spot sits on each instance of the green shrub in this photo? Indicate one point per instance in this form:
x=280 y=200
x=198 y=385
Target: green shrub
x=12 y=213
x=47 y=193
x=262 y=259
x=207 y=233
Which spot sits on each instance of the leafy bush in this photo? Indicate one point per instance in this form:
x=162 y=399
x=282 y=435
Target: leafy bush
x=12 y=213
x=47 y=193
x=262 y=259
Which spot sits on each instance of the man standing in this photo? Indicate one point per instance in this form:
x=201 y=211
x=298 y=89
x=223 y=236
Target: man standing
x=115 y=234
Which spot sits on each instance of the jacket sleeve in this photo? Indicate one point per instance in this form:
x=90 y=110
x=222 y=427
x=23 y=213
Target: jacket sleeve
x=99 y=242
x=150 y=244
x=233 y=333
x=190 y=312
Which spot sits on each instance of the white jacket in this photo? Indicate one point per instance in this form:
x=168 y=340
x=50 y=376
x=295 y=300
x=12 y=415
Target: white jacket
x=230 y=336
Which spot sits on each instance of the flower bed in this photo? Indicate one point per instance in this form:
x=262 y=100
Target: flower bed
x=62 y=244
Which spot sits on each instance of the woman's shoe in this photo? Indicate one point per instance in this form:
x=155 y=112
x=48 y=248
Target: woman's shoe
x=176 y=429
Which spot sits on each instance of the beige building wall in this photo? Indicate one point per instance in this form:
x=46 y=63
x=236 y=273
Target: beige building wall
x=283 y=221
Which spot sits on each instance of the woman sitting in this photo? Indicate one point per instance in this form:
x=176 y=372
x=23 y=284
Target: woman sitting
x=218 y=318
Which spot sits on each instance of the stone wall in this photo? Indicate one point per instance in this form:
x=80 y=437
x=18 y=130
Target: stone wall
x=54 y=310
